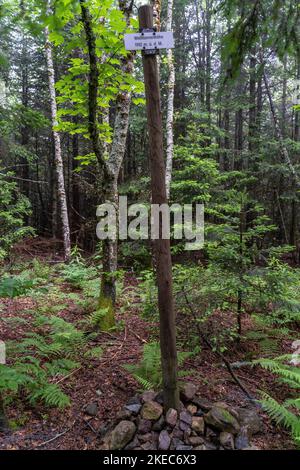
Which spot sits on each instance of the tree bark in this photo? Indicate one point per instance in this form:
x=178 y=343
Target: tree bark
x=170 y=104
x=208 y=57
x=161 y=246
x=110 y=168
x=252 y=103
x=57 y=147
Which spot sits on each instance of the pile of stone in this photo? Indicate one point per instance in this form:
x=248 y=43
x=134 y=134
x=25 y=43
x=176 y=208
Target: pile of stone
x=198 y=425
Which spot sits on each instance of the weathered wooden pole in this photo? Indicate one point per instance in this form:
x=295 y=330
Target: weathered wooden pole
x=161 y=246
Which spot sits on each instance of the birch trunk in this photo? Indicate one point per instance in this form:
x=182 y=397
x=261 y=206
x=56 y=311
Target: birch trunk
x=110 y=168
x=170 y=104
x=57 y=149
x=110 y=247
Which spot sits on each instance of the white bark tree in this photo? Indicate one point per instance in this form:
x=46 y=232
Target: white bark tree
x=59 y=167
x=170 y=104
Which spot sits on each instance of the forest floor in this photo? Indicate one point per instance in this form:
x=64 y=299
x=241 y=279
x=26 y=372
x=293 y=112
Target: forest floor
x=107 y=383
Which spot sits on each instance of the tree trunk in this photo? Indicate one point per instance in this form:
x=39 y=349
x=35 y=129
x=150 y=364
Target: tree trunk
x=252 y=103
x=208 y=57
x=110 y=168
x=57 y=148
x=161 y=246
x=170 y=104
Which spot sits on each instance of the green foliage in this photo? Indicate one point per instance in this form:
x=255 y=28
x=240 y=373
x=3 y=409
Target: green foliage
x=78 y=274
x=136 y=255
x=148 y=371
x=274 y=24
x=195 y=169
x=287 y=412
x=38 y=358
x=13 y=209
x=109 y=26
x=13 y=286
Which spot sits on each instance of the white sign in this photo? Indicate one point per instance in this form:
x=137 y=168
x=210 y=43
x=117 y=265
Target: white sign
x=149 y=40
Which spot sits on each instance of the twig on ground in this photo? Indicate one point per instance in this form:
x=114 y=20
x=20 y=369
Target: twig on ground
x=55 y=437
x=90 y=426
x=119 y=348
x=137 y=336
x=69 y=375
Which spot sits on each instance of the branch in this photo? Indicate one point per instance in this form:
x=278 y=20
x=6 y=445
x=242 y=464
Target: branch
x=93 y=88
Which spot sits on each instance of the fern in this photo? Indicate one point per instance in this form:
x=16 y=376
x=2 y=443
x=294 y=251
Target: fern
x=148 y=371
x=51 y=395
x=37 y=358
x=286 y=413
x=96 y=317
x=282 y=415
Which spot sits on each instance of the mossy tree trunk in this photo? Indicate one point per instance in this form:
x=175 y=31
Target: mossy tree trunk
x=109 y=168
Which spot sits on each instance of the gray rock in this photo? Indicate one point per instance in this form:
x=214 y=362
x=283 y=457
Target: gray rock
x=250 y=418
x=158 y=425
x=251 y=448
x=134 y=408
x=133 y=444
x=184 y=447
x=203 y=403
x=145 y=437
x=192 y=409
x=123 y=415
x=91 y=409
x=122 y=435
x=221 y=419
x=227 y=440
x=183 y=426
x=164 y=440
x=242 y=439
x=160 y=398
x=177 y=433
x=148 y=395
x=187 y=434
x=232 y=411
x=195 y=441
x=198 y=424
x=186 y=417
x=149 y=446
x=151 y=410
x=144 y=426
x=210 y=446
x=188 y=391
x=175 y=442
x=134 y=401
x=171 y=417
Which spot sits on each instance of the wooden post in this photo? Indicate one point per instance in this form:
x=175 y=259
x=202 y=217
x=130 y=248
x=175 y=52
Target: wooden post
x=161 y=246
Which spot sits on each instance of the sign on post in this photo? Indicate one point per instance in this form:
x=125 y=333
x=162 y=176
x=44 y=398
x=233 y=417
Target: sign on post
x=149 y=40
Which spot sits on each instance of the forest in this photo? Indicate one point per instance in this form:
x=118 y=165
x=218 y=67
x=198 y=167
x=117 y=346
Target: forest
x=176 y=331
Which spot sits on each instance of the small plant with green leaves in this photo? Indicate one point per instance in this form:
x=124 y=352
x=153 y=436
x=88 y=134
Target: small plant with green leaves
x=287 y=413
x=148 y=371
x=52 y=350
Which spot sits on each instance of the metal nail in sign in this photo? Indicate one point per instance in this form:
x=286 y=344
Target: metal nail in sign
x=149 y=41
